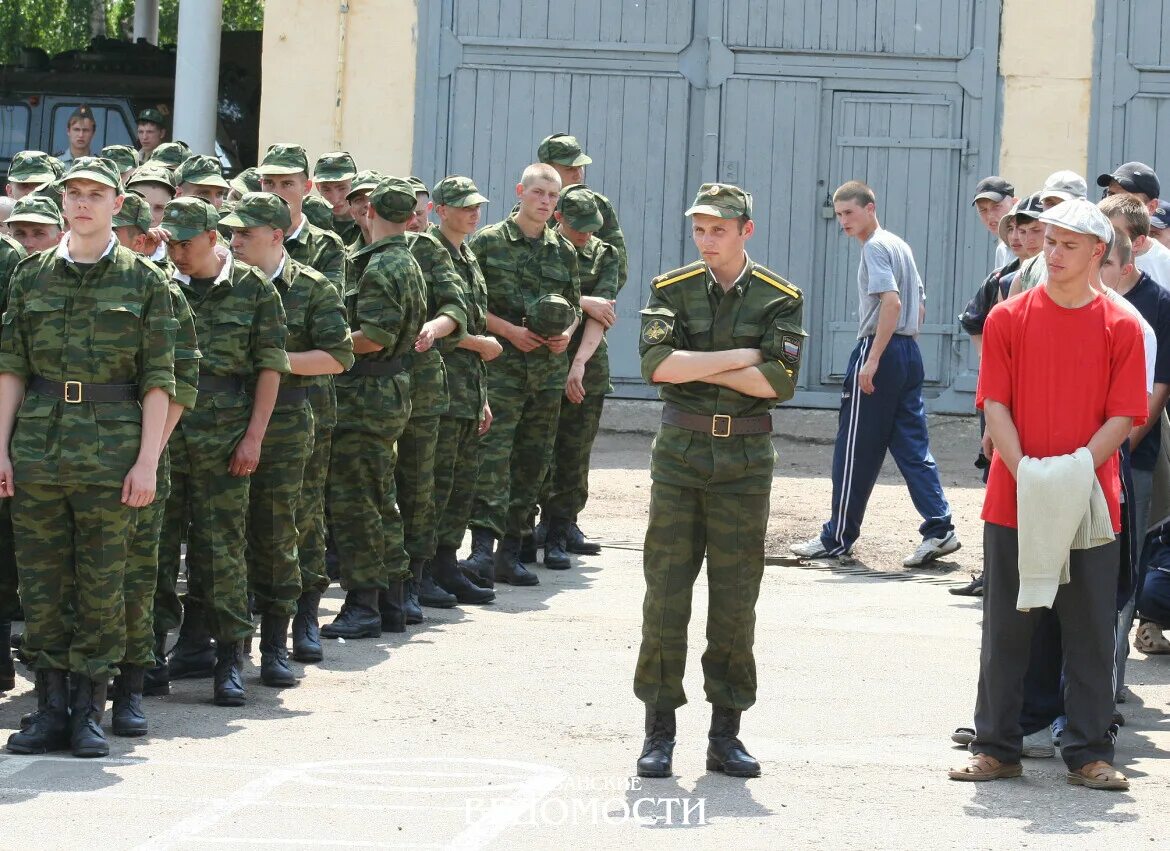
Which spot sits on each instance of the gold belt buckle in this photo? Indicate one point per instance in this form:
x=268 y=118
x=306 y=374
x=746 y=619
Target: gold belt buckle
x=721 y=425
x=73 y=392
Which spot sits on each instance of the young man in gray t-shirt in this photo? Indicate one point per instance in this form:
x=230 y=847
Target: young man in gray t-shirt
x=881 y=406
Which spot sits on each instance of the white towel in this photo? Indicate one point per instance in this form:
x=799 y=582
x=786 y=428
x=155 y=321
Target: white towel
x=1059 y=507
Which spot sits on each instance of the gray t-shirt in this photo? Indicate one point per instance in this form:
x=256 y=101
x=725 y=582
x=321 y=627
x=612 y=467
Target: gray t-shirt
x=887 y=265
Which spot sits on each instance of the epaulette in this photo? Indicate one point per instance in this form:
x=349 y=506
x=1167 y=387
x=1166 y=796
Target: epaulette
x=772 y=279
x=688 y=271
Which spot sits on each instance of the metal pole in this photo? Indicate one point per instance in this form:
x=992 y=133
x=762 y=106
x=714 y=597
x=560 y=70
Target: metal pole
x=146 y=20
x=197 y=73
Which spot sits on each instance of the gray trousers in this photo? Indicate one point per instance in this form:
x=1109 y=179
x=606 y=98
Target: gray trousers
x=1143 y=487
x=1087 y=609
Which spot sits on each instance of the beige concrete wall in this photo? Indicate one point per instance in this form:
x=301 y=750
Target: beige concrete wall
x=374 y=119
x=1046 y=60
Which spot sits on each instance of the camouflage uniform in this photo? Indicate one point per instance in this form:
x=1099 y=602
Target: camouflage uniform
x=710 y=493
x=11 y=253
x=336 y=167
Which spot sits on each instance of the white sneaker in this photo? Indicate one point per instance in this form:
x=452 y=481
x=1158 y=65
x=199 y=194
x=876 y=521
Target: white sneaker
x=932 y=548
x=1039 y=744
x=812 y=548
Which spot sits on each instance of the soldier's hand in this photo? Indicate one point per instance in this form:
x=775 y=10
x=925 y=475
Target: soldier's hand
x=245 y=458
x=489 y=349
x=601 y=309
x=525 y=340
x=575 y=385
x=557 y=344
x=425 y=339
x=485 y=419
x=6 y=485
x=139 y=485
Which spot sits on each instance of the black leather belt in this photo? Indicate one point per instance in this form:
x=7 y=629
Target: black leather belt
x=292 y=395
x=378 y=367
x=221 y=384
x=717 y=425
x=75 y=392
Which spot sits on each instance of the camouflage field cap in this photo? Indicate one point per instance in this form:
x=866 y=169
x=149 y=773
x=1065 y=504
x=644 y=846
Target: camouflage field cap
x=334 y=166
x=284 y=159
x=456 y=191
x=578 y=207
x=318 y=211
x=393 y=199
x=153 y=172
x=52 y=191
x=32 y=167
x=246 y=181
x=36 y=209
x=722 y=200
x=152 y=116
x=186 y=218
x=170 y=154
x=562 y=149
x=364 y=181
x=201 y=170
x=123 y=156
x=57 y=165
x=549 y=315
x=135 y=213
x=96 y=169
x=259 y=209
x=419 y=186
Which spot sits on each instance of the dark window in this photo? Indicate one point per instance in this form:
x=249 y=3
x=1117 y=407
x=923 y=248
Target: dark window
x=14 y=118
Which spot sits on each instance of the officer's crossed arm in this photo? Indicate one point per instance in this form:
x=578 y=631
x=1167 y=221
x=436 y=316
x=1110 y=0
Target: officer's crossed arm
x=665 y=362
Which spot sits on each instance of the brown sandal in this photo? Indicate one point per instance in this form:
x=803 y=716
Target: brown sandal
x=983 y=766
x=1099 y=775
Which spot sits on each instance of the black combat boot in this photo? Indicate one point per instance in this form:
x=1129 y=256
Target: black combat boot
x=129 y=719
x=306 y=629
x=429 y=593
x=229 y=674
x=392 y=606
x=508 y=567
x=7 y=666
x=658 y=749
x=193 y=656
x=410 y=603
x=478 y=566
x=555 y=556
x=450 y=578
x=725 y=752
x=575 y=542
x=527 y=554
x=274 y=669
x=85 y=717
x=358 y=617
x=540 y=533
x=157 y=679
x=47 y=729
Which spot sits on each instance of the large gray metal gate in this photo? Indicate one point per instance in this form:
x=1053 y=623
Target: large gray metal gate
x=783 y=97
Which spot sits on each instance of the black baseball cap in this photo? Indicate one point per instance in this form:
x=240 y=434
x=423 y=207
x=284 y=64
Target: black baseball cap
x=1161 y=216
x=1134 y=177
x=993 y=188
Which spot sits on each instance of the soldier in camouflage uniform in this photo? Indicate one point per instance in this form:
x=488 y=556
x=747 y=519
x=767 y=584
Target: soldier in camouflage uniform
x=319 y=345
x=169 y=155
x=157 y=185
x=722 y=339
x=333 y=175
x=89 y=335
x=29 y=171
x=239 y=321
x=359 y=202
x=124 y=158
x=10 y=254
x=529 y=269
x=35 y=222
x=284 y=171
x=201 y=176
x=468 y=415
x=387 y=308
x=566 y=486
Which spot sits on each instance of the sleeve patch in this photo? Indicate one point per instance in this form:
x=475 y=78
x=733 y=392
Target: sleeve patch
x=655 y=330
x=791 y=345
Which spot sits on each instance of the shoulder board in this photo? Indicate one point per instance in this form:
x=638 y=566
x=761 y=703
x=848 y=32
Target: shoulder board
x=689 y=271
x=772 y=279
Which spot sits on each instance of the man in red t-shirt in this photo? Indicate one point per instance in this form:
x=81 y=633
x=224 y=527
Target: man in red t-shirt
x=1063 y=368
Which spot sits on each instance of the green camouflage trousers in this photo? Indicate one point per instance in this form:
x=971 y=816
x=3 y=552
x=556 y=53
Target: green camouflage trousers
x=142 y=571
x=514 y=455
x=9 y=598
x=71 y=551
x=686 y=524
x=456 y=469
x=274 y=566
x=414 y=476
x=566 y=483
x=367 y=528
x=311 y=527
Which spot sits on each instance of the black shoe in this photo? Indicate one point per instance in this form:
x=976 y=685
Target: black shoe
x=229 y=674
x=527 y=553
x=392 y=608
x=725 y=752
x=128 y=717
x=157 y=679
x=575 y=542
x=555 y=555
x=193 y=656
x=540 y=533
x=410 y=605
x=658 y=749
x=508 y=567
x=974 y=588
x=7 y=666
x=47 y=729
x=430 y=593
x=477 y=567
x=274 y=669
x=358 y=617
x=85 y=717
x=306 y=629
x=450 y=578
